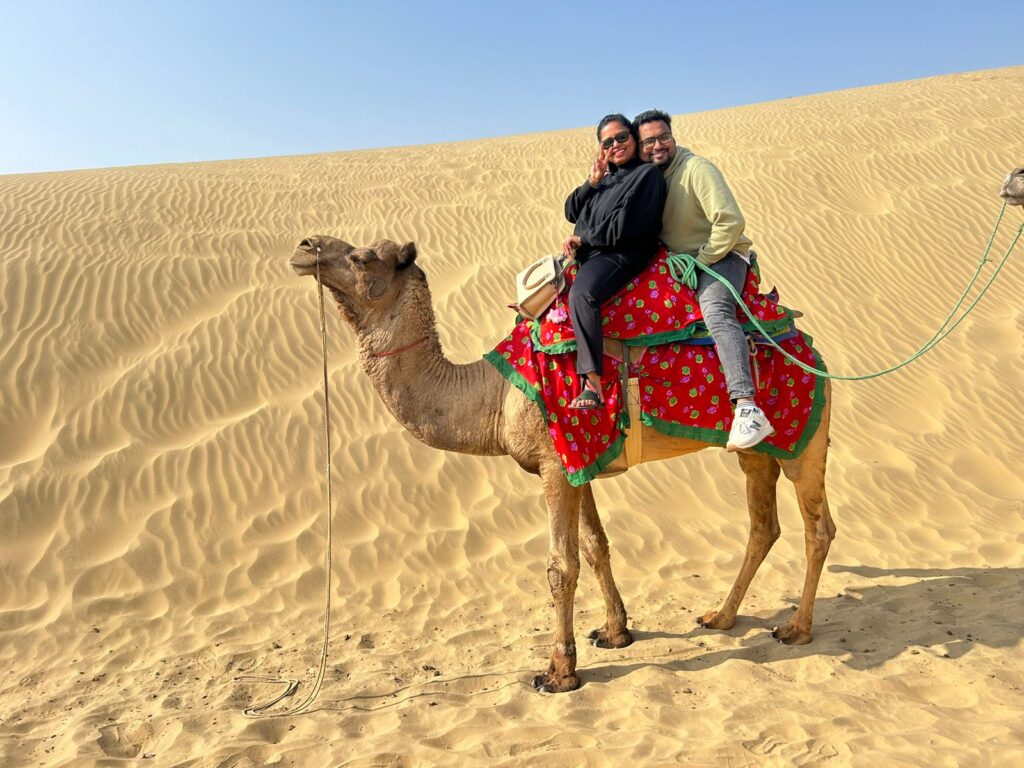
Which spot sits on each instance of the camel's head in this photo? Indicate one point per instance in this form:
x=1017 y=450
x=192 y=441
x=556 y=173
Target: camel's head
x=364 y=281
x=1013 y=188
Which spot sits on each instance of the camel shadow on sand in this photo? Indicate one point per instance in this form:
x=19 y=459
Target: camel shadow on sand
x=942 y=612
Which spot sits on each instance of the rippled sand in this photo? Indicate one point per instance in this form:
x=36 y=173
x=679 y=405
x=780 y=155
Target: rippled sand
x=162 y=488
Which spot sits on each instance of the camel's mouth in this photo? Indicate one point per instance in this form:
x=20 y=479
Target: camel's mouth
x=303 y=261
x=302 y=264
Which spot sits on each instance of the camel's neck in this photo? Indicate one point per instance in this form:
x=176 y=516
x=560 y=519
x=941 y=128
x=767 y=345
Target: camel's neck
x=447 y=406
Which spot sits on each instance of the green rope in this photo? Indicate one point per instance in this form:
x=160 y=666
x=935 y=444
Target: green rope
x=683 y=268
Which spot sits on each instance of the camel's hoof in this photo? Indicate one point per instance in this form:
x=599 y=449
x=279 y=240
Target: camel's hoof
x=790 y=635
x=547 y=683
x=715 y=620
x=602 y=639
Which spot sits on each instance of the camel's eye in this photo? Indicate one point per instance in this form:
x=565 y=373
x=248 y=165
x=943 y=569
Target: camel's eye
x=363 y=256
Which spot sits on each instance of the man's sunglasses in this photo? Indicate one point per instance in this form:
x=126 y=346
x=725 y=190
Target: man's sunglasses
x=619 y=138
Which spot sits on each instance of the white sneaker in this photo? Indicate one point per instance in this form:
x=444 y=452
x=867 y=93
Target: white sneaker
x=749 y=427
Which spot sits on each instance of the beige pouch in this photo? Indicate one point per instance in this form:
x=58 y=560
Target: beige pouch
x=538 y=285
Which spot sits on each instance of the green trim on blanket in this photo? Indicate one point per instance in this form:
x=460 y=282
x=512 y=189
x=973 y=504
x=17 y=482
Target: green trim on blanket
x=814 y=420
x=610 y=454
x=585 y=475
x=721 y=437
x=506 y=369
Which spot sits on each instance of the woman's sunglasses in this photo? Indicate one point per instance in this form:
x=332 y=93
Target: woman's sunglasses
x=619 y=138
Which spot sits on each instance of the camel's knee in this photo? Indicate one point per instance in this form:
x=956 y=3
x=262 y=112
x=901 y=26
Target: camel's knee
x=767 y=531
x=820 y=529
x=764 y=532
x=764 y=518
x=826 y=527
x=814 y=506
x=820 y=539
x=563 y=574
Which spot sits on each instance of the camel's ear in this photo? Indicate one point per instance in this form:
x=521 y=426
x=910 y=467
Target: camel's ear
x=406 y=255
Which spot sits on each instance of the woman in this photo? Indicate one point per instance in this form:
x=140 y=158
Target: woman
x=617 y=213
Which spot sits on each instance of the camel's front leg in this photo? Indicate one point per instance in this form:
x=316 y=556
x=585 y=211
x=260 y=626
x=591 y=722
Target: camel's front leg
x=595 y=548
x=563 y=502
x=762 y=474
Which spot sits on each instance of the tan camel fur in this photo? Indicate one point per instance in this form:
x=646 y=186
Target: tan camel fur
x=1013 y=188
x=383 y=295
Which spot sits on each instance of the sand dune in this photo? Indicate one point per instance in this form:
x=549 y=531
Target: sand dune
x=162 y=489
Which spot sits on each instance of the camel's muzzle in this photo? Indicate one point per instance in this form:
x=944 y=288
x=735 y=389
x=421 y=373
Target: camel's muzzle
x=303 y=261
x=1012 y=190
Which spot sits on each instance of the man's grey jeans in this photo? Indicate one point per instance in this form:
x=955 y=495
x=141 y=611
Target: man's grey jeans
x=719 y=310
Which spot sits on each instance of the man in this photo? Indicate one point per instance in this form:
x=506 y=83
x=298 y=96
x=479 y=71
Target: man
x=702 y=218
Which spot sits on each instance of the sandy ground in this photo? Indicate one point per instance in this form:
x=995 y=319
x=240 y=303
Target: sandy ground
x=162 y=488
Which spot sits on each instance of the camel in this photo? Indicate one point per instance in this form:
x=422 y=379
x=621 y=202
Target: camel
x=1013 y=187
x=383 y=294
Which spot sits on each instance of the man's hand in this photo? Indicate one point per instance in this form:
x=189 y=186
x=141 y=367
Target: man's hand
x=570 y=245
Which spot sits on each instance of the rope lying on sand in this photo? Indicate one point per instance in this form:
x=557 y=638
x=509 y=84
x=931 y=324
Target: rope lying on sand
x=258 y=710
x=684 y=266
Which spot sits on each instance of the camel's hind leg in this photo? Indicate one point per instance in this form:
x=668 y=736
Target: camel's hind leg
x=808 y=476
x=762 y=473
x=594 y=543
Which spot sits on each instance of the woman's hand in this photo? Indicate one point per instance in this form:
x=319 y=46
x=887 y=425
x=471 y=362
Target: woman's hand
x=570 y=245
x=600 y=166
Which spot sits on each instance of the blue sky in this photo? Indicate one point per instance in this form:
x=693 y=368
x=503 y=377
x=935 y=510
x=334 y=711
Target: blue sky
x=96 y=84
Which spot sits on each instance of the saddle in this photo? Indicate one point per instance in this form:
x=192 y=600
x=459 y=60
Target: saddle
x=661 y=372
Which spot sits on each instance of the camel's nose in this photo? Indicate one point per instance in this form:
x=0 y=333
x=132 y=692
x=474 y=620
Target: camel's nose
x=309 y=244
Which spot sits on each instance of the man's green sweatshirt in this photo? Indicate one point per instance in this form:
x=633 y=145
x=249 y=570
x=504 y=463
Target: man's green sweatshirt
x=701 y=216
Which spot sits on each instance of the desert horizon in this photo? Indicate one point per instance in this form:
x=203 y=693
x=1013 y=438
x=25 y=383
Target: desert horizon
x=163 y=488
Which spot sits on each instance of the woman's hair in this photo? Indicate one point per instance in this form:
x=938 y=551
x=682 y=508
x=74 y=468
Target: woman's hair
x=618 y=118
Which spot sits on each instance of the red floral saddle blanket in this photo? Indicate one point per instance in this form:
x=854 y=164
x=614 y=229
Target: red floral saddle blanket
x=681 y=384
